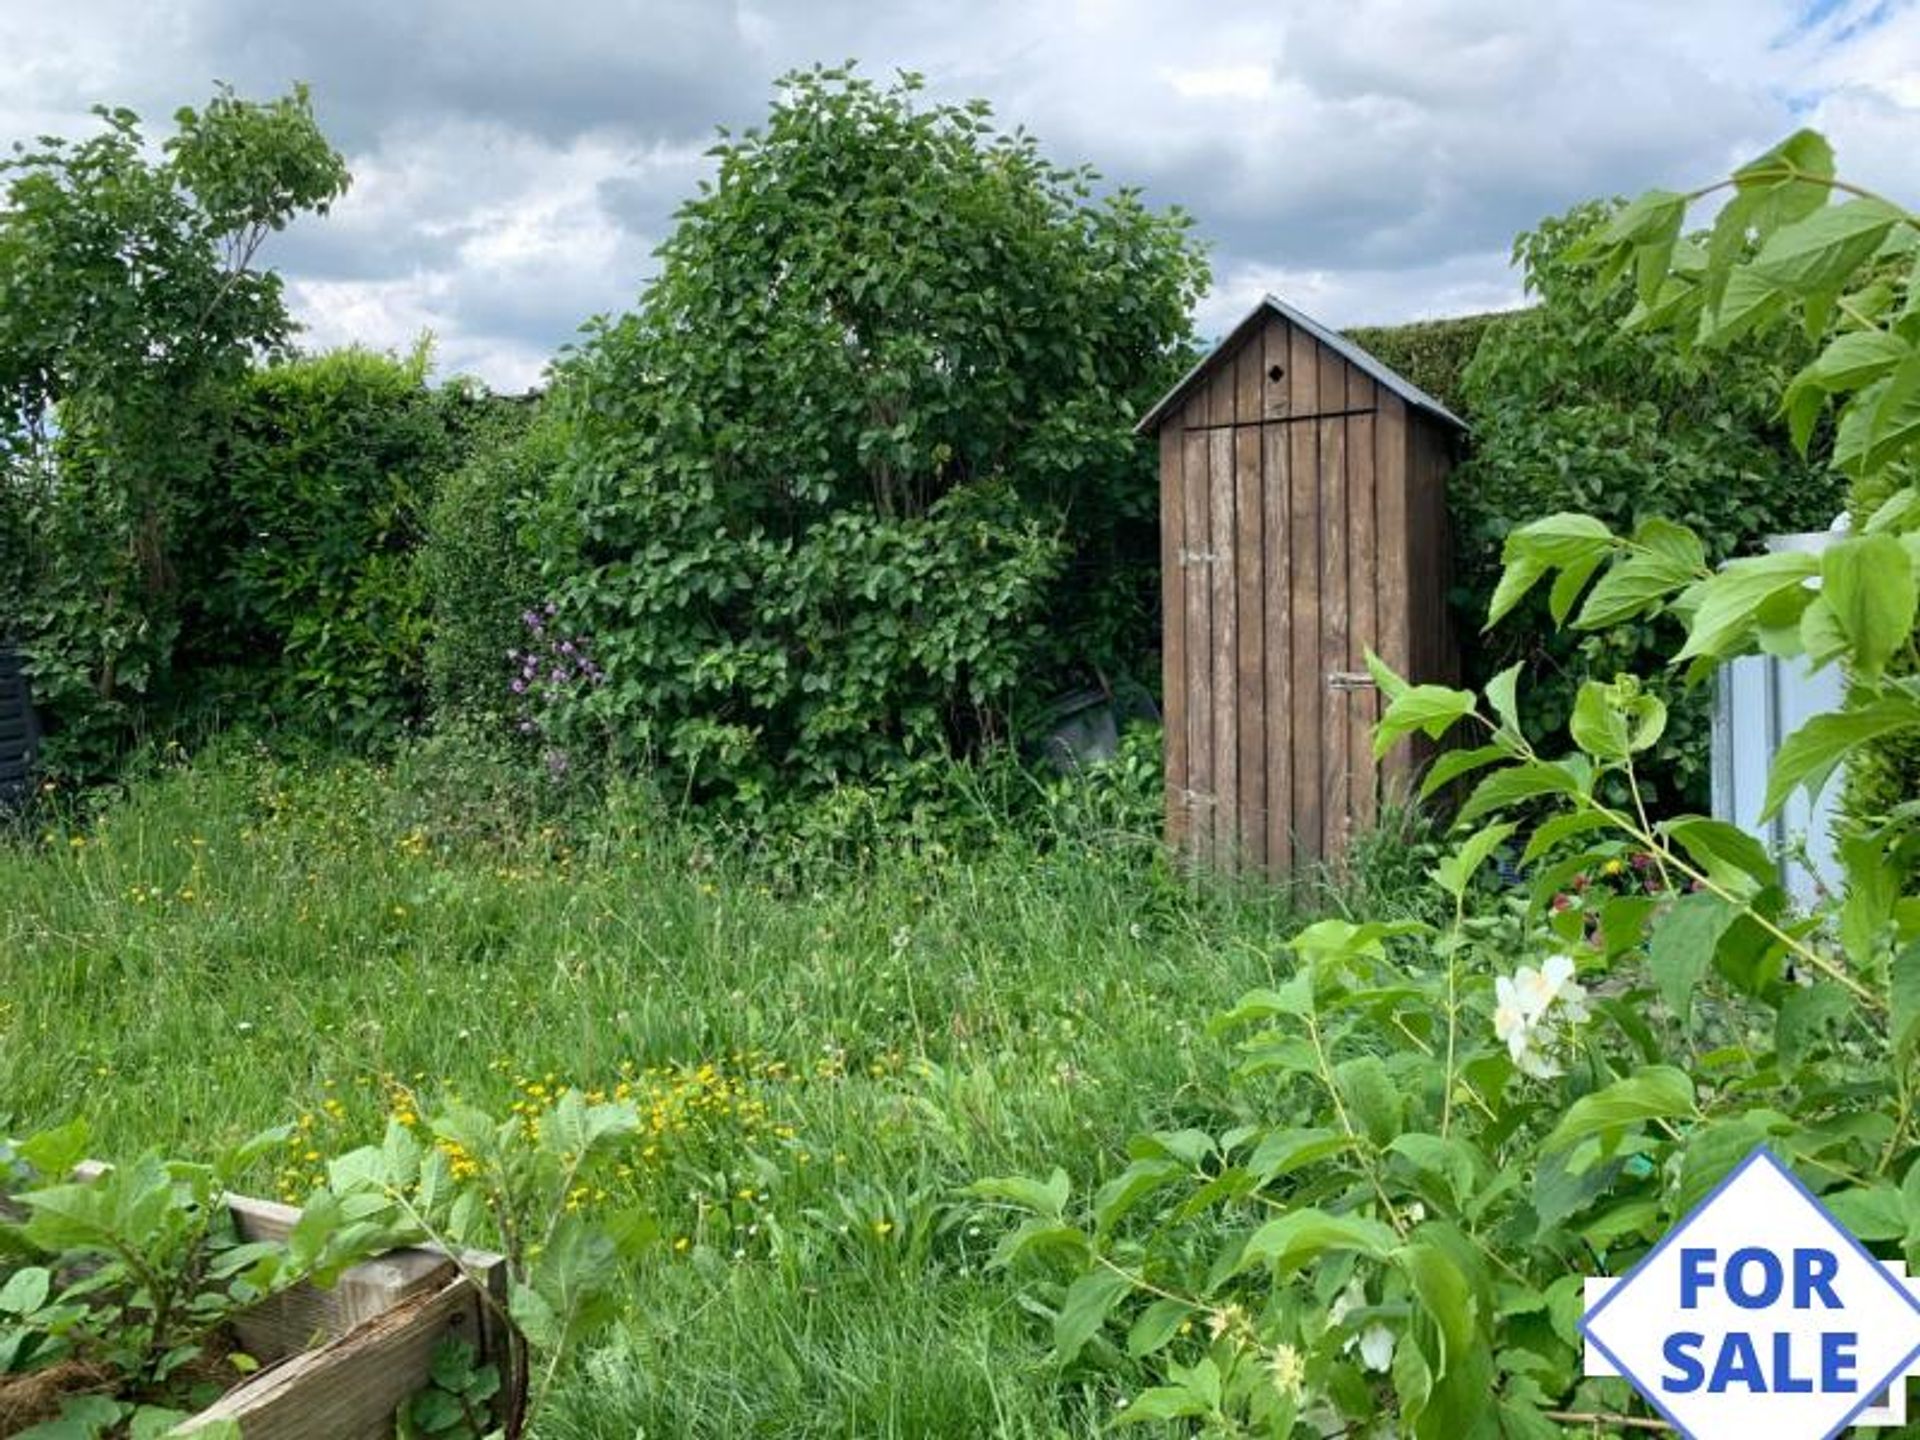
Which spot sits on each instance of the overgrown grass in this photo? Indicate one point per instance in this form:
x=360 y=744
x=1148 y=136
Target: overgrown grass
x=829 y=1053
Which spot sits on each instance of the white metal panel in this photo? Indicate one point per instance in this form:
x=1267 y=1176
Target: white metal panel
x=1759 y=701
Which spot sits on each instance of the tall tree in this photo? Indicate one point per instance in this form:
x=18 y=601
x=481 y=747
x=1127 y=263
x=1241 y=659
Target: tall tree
x=130 y=296
x=859 y=465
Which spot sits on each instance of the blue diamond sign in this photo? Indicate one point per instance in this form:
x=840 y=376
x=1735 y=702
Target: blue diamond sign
x=1758 y=1315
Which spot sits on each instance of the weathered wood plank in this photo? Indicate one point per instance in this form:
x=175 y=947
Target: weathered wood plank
x=1199 y=651
x=1303 y=374
x=1393 y=594
x=1250 y=623
x=1222 y=390
x=1226 y=703
x=350 y=1389
x=1275 y=390
x=1249 y=384
x=1336 y=742
x=1362 y=595
x=1277 y=631
x=1173 y=632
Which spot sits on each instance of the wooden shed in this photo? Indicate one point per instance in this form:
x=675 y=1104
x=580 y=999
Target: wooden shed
x=1303 y=522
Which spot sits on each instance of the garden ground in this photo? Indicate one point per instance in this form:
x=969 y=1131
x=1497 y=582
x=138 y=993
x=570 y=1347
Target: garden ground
x=825 y=1050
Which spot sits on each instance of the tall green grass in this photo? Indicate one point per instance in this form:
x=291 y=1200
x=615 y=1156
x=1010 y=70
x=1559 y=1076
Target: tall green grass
x=242 y=942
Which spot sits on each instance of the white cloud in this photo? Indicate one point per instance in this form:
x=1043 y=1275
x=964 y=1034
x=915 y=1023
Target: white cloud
x=1369 y=159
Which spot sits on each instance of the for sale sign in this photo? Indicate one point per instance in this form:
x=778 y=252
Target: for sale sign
x=1758 y=1315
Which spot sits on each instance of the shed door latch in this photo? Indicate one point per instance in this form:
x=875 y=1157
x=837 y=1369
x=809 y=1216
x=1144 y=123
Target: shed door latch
x=1349 y=680
x=1198 y=557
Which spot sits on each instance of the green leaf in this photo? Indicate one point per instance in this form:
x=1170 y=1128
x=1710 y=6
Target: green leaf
x=1127 y=1189
x=1904 y=999
x=1456 y=871
x=1450 y=765
x=1450 y=1160
x=1370 y=1096
x=1852 y=360
x=1658 y=1092
x=1300 y=1236
x=1163 y=1402
x=1518 y=783
x=1433 y=709
x=1558 y=829
x=1447 y=1299
x=1665 y=560
x=1747 y=301
x=1157 y=1324
x=1562 y=539
x=1808 y=756
x=1684 y=939
x=26 y=1290
x=1869 y=583
x=1826 y=247
x=535 y=1318
x=1047 y=1197
x=1501 y=693
x=1725 y=607
x=1611 y=722
x=151 y=1422
x=1088 y=1302
x=575 y=1128
x=1725 y=853
x=1872 y=1213
x=1518 y=575
x=1281 y=1152
x=82 y=1417
x=1804 y=1012
x=55 y=1152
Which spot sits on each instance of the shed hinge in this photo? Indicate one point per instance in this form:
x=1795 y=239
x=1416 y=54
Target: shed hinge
x=1349 y=680
x=1198 y=557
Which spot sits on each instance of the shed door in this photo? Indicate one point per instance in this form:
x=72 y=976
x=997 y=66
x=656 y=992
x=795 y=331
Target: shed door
x=1273 y=512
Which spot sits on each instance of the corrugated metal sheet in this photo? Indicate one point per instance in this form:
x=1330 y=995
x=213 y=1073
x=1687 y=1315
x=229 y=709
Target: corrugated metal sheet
x=1759 y=701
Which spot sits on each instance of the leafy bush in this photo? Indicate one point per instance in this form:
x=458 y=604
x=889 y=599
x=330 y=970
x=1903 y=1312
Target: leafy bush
x=303 y=600
x=479 y=567
x=1883 y=775
x=116 y=1288
x=1573 y=410
x=1481 y=1109
x=1433 y=354
x=857 y=476
x=129 y=304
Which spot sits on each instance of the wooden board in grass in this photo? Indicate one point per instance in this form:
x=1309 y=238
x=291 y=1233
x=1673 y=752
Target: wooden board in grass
x=337 y=1363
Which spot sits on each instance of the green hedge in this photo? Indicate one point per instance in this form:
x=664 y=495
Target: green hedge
x=302 y=603
x=479 y=567
x=1433 y=354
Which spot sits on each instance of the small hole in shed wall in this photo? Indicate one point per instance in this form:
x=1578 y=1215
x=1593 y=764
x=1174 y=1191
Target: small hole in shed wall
x=1275 y=373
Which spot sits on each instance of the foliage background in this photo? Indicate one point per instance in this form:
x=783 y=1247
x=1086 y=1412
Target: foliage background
x=1571 y=411
x=855 y=479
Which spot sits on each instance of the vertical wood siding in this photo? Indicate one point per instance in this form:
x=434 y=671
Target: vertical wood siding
x=1304 y=524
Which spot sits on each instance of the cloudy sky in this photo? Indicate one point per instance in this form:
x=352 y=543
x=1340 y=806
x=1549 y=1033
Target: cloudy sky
x=515 y=163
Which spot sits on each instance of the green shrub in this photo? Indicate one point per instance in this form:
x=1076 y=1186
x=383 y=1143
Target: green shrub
x=130 y=305
x=302 y=600
x=479 y=567
x=1433 y=354
x=1571 y=411
x=857 y=476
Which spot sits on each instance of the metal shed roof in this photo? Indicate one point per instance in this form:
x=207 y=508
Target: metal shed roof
x=1332 y=339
